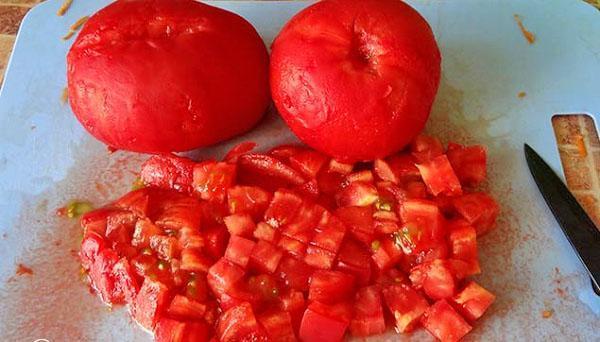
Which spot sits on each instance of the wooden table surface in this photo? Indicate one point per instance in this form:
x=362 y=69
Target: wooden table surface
x=577 y=138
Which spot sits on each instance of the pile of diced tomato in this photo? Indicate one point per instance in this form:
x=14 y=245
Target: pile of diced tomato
x=292 y=245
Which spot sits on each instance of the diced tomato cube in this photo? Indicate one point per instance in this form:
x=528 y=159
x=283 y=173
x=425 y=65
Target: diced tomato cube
x=330 y=234
x=308 y=162
x=361 y=274
x=182 y=307
x=330 y=286
x=239 y=224
x=238 y=150
x=358 y=194
x=190 y=238
x=95 y=221
x=473 y=301
x=265 y=257
x=239 y=324
x=365 y=176
x=238 y=250
x=439 y=177
x=165 y=246
x=435 y=277
x=434 y=250
x=425 y=148
x=359 y=221
x=212 y=179
x=444 y=323
x=237 y=295
x=425 y=216
x=468 y=162
x=293 y=302
x=177 y=211
x=406 y=305
x=224 y=275
x=339 y=167
x=250 y=200
x=194 y=261
x=302 y=227
x=388 y=253
x=168 y=171
x=215 y=240
x=265 y=232
x=294 y=273
x=278 y=325
x=91 y=245
x=403 y=167
x=319 y=257
x=462 y=269
x=101 y=276
x=149 y=303
x=125 y=282
x=479 y=209
x=355 y=254
x=463 y=242
x=324 y=323
x=169 y=330
x=269 y=167
x=384 y=172
x=292 y=246
x=119 y=226
x=283 y=208
x=135 y=201
x=144 y=229
x=368 y=316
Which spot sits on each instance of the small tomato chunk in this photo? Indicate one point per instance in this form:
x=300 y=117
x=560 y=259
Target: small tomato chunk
x=406 y=305
x=330 y=286
x=239 y=324
x=212 y=179
x=368 y=316
x=473 y=301
x=323 y=323
x=238 y=250
x=149 y=303
x=239 y=224
x=444 y=323
x=265 y=257
x=479 y=209
x=469 y=163
x=439 y=177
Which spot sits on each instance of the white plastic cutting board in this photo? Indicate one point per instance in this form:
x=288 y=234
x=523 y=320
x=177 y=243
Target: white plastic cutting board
x=47 y=159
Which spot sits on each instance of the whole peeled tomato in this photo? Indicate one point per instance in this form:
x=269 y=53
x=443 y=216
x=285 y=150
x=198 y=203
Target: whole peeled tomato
x=355 y=79
x=167 y=75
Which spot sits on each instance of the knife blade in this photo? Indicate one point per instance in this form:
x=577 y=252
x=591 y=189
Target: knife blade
x=577 y=226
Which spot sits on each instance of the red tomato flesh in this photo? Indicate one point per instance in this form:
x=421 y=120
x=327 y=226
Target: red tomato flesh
x=443 y=322
x=238 y=262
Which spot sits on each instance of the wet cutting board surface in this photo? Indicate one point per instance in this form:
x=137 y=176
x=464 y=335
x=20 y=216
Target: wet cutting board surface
x=47 y=159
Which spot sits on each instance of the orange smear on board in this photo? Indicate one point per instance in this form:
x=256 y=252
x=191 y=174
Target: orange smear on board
x=23 y=270
x=521 y=94
x=581 y=146
x=527 y=34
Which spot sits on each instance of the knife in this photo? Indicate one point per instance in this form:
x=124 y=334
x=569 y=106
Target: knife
x=575 y=223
